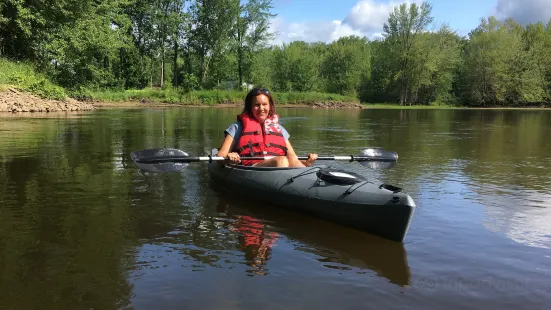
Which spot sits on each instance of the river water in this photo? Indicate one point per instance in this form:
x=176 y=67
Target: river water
x=82 y=227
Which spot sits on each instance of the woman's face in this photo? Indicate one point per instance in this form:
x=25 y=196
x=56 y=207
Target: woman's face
x=261 y=107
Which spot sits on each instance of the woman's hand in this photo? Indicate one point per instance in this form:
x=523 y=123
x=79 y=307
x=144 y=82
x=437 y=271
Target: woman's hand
x=234 y=158
x=312 y=157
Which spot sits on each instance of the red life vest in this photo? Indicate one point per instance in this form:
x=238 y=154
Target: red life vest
x=257 y=140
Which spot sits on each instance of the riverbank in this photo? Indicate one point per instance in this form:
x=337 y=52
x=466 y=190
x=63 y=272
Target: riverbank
x=217 y=98
x=152 y=104
x=13 y=100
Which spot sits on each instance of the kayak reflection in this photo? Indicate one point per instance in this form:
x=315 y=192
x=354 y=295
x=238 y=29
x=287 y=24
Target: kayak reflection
x=337 y=247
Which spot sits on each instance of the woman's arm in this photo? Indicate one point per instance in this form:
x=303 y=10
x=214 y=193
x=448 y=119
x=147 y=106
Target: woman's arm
x=293 y=159
x=224 y=151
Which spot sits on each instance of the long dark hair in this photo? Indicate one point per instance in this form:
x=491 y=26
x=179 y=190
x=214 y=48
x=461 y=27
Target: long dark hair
x=248 y=108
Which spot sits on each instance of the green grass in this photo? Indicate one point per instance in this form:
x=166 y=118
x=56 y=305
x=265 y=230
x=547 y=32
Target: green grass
x=412 y=107
x=24 y=77
x=210 y=97
x=10 y=69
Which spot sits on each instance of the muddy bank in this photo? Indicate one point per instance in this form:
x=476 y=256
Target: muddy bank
x=149 y=103
x=12 y=100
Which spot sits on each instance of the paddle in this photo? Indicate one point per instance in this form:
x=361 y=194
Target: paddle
x=167 y=159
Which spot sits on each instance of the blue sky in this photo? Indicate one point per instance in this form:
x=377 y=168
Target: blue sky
x=327 y=20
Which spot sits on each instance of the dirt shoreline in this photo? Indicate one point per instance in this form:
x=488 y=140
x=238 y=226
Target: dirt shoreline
x=142 y=104
x=14 y=101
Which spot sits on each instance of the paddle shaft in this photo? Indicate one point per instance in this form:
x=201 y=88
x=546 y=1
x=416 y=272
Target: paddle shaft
x=188 y=159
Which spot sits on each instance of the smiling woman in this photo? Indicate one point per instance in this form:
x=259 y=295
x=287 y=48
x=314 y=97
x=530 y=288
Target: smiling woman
x=257 y=132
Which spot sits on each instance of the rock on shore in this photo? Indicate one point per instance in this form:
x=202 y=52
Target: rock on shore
x=336 y=104
x=13 y=101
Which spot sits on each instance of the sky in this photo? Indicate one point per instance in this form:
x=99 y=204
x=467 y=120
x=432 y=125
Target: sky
x=328 y=20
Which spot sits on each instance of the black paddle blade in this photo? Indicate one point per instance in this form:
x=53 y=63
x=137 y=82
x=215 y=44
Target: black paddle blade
x=158 y=153
x=392 y=158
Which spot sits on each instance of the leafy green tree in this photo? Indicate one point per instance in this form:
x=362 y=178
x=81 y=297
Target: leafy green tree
x=403 y=27
x=251 y=32
x=381 y=86
x=537 y=43
x=212 y=20
x=25 y=24
x=295 y=67
x=262 y=68
x=435 y=61
x=346 y=64
x=500 y=67
x=83 y=52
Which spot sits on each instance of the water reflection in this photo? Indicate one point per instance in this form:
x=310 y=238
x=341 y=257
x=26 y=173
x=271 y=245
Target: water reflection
x=522 y=215
x=80 y=227
x=68 y=252
x=336 y=247
x=255 y=240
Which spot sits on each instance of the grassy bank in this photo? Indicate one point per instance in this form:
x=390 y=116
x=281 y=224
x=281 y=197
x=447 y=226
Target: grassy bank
x=211 y=97
x=412 y=107
x=24 y=77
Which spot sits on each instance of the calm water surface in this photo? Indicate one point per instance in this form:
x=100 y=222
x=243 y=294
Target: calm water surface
x=81 y=227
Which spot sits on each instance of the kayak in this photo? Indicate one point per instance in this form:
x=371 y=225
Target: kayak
x=335 y=195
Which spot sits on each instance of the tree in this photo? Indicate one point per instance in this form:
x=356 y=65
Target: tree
x=295 y=67
x=261 y=68
x=83 y=52
x=346 y=64
x=404 y=25
x=212 y=21
x=436 y=59
x=380 y=87
x=537 y=43
x=498 y=69
x=24 y=24
x=251 y=31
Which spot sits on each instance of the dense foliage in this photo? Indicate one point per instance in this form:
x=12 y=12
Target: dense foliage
x=223 y=44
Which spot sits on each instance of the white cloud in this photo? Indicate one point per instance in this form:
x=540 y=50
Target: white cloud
x=310 y=32
x=369 y=16
x=524 y=11
x=366 y=18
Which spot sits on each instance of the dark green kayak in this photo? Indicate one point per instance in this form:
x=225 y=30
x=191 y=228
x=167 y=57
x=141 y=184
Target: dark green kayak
x=339 y=196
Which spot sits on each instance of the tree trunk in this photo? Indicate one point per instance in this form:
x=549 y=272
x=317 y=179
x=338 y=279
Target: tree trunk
x=240 y=56
x=206 y=68
x=162 y=66
x=122 y=74
x=404 y=83
x=175 y=66
x=151 y=73
x=240 y=65
x=202 y=69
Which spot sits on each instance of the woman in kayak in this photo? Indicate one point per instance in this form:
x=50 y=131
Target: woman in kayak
x=257 y=132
